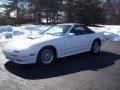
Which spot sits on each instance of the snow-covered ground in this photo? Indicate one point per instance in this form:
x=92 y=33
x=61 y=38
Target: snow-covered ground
x=111 y=32
x=7 y=33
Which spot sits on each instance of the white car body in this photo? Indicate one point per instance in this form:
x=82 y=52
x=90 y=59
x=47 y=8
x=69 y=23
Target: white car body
x=25 y=51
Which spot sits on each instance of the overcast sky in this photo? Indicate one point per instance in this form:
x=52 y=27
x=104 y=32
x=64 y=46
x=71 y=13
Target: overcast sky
x=3 y=2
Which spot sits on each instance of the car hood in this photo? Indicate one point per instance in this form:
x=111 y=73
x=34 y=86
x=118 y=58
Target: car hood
x=23 y=43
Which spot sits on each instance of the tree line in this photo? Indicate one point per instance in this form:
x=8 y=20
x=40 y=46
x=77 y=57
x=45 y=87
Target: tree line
x=89 y=12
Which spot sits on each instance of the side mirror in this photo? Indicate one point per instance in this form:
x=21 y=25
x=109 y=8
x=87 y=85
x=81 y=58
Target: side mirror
x=71 y=34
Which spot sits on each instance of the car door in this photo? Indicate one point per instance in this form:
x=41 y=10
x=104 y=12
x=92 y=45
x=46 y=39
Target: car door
x=80 y=42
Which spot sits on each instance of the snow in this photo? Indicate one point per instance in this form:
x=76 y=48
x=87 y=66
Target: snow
x=8 y=33
x=6 y=28
x=32 y=29
x=111 y=32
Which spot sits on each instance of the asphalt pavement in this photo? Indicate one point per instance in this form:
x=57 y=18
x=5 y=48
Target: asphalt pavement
x=79 y=72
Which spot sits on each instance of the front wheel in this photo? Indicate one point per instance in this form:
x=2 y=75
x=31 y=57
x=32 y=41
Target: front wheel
x=46 y=56
x=95 y=47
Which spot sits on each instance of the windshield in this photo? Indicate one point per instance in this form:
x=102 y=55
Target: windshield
x=58 y=30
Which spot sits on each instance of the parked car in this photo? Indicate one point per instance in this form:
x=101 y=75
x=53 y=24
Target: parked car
x=59 y=41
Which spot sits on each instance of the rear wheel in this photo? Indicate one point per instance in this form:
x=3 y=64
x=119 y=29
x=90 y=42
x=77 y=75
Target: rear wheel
x=46 y=56
x=96 y=47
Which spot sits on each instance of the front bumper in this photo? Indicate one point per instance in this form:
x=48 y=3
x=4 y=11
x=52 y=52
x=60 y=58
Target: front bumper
x=20 y=59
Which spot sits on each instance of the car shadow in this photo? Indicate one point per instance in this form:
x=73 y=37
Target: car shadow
x=65 y=66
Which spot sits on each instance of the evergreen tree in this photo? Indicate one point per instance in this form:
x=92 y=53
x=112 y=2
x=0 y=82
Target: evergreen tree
x=90 y=12
x=82 y=11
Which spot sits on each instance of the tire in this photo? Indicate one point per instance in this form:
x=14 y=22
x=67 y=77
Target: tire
x=46 y=56
x=96 y=47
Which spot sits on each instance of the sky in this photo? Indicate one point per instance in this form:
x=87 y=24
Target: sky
x=1 y=3
x=21 y=4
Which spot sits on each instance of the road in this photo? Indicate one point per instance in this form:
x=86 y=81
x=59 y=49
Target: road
x=79 y=72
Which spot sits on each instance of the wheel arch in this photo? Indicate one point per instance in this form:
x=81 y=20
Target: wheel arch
x=49 y=46
x=97 y=39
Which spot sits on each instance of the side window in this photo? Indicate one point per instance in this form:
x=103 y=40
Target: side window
x=88 y=31
x=78 y=30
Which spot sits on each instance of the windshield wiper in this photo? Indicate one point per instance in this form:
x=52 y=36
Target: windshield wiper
x=52 y=34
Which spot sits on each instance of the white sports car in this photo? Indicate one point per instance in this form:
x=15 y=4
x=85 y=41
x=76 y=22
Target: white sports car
x=59 y=41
